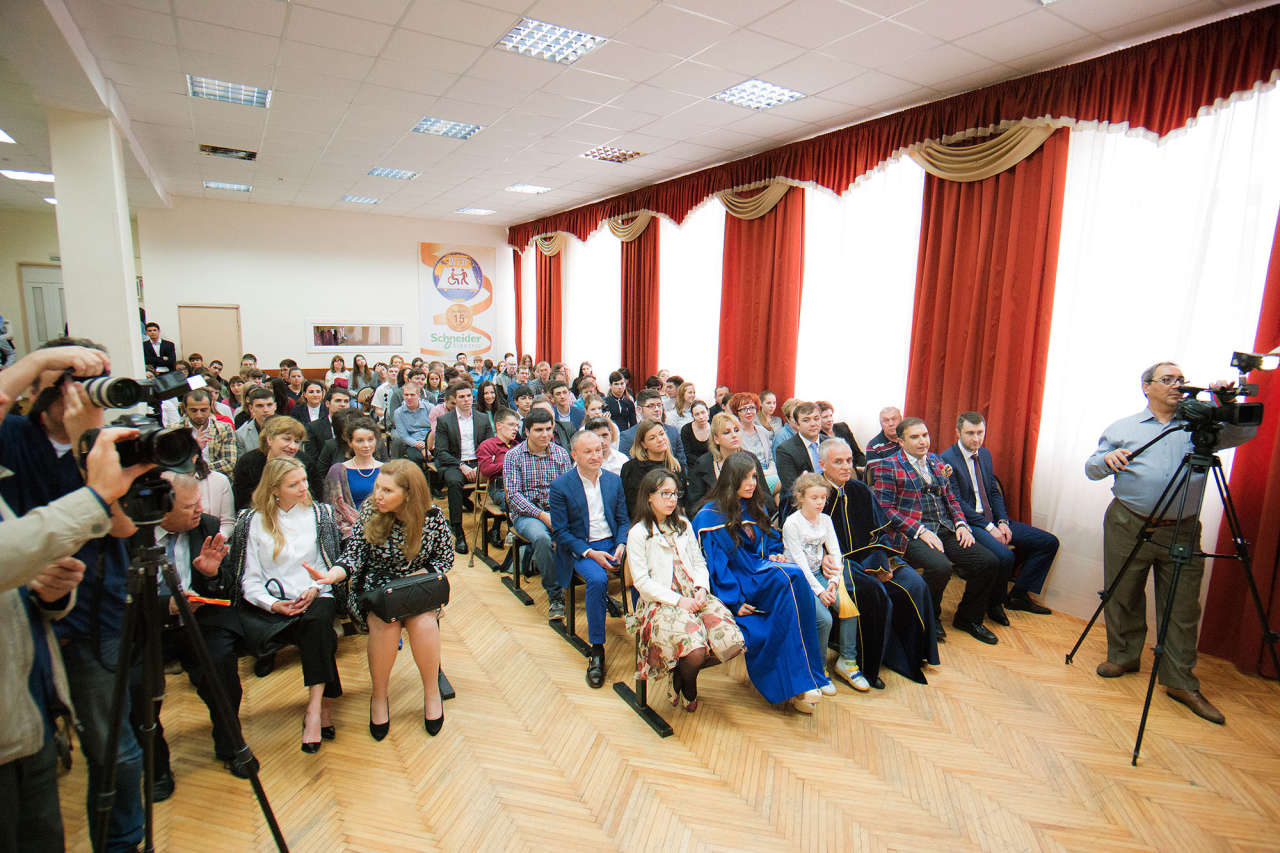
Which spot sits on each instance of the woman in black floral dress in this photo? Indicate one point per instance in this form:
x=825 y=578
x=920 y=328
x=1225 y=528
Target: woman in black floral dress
x=398 y=532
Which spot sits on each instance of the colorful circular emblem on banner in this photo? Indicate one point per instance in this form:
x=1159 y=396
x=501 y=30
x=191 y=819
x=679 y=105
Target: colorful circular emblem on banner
x=459 y=317
x=457 y=275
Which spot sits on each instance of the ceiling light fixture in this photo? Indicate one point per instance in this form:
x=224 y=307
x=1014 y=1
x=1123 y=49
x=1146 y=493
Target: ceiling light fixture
x=4 y=137
x=361 y=199
x=42 y=177
x=757 y=95
x=475 y=211
x=445 y=127
x=223 y=185
x=51 y=200
x=528 y=189
x=228 y=93
x=549 y=41
x=398 y=174
x=229 y=153
x=611 y=154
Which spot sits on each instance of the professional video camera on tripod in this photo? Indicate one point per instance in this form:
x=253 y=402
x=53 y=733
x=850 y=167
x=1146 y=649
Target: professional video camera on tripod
x=1174 y=518
x=146 y=503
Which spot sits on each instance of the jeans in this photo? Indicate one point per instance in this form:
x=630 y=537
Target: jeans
x=30 y=819
x=1037 y=548
x=847 y=638
x=597 y=581
x=543 y=559
x=92 y=680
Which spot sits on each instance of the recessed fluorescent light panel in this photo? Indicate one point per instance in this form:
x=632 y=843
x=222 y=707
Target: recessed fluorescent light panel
x=757 y=95
x=398 y=174
x=27 y=176
x=475 y=211
x=548 y=41
x=229 y=153
x=229 y=93
x=51 y=200
x=361 y=199
x=4 y=137
x=444 y=127
x=223 y=185
x=611 y=154
x=528 y=189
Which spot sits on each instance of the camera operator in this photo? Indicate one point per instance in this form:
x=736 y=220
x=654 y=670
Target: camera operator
x=1137 y=486
x=37 y=546
x=36 y=448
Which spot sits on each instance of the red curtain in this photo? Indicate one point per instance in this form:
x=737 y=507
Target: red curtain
x=1230 y=627
x=760 y=298
x=515 y=264
x=640 y=303
x=984 y=299
x=1158 y=85
x=548 y=340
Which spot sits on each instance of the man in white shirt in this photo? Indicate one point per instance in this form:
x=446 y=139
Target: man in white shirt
x=159 y=354
x=458 y=434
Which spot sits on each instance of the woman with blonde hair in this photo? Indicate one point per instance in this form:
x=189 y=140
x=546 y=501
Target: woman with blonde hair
x=277 y=543
x=281 y=436
x=726 y=438
x=651 y=449
x=681 y=411
x=398 y=533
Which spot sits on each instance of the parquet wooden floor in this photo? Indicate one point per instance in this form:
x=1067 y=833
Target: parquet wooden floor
x=1005 y=749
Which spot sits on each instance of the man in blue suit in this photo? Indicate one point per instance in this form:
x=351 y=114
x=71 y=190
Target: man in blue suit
x=973 y=481
x=590 y=525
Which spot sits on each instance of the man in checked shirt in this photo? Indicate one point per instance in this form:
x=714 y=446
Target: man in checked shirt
x=527 y=473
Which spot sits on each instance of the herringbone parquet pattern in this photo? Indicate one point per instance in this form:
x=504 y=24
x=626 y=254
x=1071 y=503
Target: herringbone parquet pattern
x=1006 y=749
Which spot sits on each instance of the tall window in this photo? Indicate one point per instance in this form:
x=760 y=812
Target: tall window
x=690 y=261
x=591 y=300
x=529 y=299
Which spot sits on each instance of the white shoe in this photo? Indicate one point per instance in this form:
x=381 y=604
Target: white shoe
x=801 y=703
x=828 y=689
x=814 y=695
x=848 y=670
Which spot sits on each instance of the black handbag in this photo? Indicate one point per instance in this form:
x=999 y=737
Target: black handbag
x=407 y=596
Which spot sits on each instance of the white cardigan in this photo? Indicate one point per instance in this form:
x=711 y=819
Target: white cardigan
x=652 y=563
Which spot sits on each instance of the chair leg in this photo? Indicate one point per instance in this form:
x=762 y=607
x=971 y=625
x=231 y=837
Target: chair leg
x=568 y=629
x=638 y=700
x=512 y=581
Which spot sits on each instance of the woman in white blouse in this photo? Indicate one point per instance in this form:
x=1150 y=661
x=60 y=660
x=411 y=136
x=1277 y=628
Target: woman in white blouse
x=755 y=437
x=215 y=496
x=278 y=542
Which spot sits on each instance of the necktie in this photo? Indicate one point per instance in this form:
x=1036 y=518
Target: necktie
x=170 y=543
x=980 y=488
x=813 y=457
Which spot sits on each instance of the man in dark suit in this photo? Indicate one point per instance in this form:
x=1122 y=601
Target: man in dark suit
x=649 y=406
x=458 y=434
x=193 y=544
x=973 y=480
x=160 y=355
x=799 y=453
x=589 y=523
x=618 y=403
x=927 y=525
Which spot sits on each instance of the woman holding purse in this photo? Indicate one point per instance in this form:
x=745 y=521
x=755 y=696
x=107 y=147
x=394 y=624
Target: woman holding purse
x=397 y=533
x=680 y=620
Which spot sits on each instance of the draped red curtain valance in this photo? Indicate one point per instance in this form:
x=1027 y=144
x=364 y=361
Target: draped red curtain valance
x=549 y=312
x=760 y=298
x=640 y=302
x=984 y=300
x=1159 y=86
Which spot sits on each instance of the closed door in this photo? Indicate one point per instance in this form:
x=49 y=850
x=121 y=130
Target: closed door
x=213 y=331
x=46 y=307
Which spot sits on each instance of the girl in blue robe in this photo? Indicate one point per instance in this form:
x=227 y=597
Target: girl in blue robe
x=769 y=597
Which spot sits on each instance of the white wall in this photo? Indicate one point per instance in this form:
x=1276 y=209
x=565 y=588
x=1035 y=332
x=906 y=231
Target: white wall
x=285 y=266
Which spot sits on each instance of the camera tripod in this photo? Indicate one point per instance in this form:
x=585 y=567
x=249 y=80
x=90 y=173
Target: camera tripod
x=142 y=625
x=1184 y=548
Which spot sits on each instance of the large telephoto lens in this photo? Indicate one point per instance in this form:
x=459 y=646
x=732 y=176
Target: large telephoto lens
x=168 y=448
x=113 y=392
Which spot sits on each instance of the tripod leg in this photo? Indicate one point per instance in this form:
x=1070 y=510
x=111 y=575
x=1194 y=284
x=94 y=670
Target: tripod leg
x=1269 y=637
x=152 y=679
x=228 y=720
x=107 y=790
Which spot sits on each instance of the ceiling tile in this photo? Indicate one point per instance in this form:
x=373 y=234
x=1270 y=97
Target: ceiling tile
x=728 y=140
x=936 y=65
x=478 y=25
x=253 y=15
x=651 y=99
x=512 y=69
x=479 y=91
x=394 y=100
x=430 y=51
x=222 y=67
x=340 y=32
x=587 y=86
x=813 y=23
x=764 y=124
x=133 y=51
x=696 y=78
x=884 y=42
x=385 y=11
x=590 y=16
x=749 y=53
x=626 y=60
x=525 y=123
x=739 y=12
x=1062 y=54
x=885 y=7
x=244 y=46
x=813 y=109
x=588 y=135
x=1100 y=15
x=617 y=119
x=870 y=88
x=671 y=30
x=1182 y=16
x=456 y=110
x=813 y=72
x=411 y=78
x=124 y=74
x=949 y=20
x=323 y=60
x=558 y=106
x=315 y=85
x=119 y=20
x=152 y=105
x=1033 y=32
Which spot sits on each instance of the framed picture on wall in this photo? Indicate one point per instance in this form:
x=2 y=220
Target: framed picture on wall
x=339 y=337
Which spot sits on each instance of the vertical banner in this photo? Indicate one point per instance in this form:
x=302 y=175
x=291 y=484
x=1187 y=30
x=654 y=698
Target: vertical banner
x=455 y=295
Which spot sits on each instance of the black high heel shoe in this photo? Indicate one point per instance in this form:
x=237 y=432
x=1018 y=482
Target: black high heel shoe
x=328 y=732
x=379 y=730
x=311 y=748
x=433 y=727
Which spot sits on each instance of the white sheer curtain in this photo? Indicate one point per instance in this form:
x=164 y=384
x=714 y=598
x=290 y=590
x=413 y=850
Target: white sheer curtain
x=1163 y=257
x=859 y=289
x=528 y=300
x=591 y=300
x=690 y=264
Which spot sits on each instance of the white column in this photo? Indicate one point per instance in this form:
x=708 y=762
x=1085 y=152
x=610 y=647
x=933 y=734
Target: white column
x=94 y=239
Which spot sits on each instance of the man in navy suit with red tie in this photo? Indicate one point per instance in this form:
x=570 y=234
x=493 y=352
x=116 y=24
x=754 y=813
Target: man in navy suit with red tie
x=973 y=481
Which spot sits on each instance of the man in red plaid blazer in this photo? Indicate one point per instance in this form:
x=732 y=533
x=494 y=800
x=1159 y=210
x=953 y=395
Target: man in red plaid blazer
x=927 y=524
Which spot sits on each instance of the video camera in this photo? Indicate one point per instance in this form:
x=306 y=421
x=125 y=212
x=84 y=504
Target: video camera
x=1205 y=415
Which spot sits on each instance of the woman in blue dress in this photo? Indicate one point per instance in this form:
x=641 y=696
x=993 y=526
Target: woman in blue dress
x=769 y=596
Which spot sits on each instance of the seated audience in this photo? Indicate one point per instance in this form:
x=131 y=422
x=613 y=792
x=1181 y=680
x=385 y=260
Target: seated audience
x=562 y=404
x=927 y=525
x=361 y=376
x=810 y=542
x=295 y=381
x=697 y=432
x=973 y=480
x=217 y=440
x=614 y=459
x=726 y=438
x=768 y=416
x=592 y=406
x=527 y=474
x=649 y=405
x=680 y=622
x=755 y=438
x=670 y=386
x=839 y=429
x=280 y=393
x=260 y=404
x=236 y=397
x=382 y=396
x=215 y=495
x=458 y=434
x=680 y=414
x=769 y=597
x=337 y=374
x=311 y=407
x=413 y=423
x=487 y=399
x=722 y=395
x=521 y=397
x=650 y=450
x=886 y=442
x=589 y=522
x=364 y=402
x=799 y=453
x=281 y=436
x=562 y=431
x=621 y=408
x=273 y=544
x=491 y=455
x=320 y=429
x=347 y=484
x=788 y=427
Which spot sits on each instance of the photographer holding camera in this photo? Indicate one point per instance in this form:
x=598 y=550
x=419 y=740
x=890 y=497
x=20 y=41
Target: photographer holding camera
x=1138 y=484
x=37 y=546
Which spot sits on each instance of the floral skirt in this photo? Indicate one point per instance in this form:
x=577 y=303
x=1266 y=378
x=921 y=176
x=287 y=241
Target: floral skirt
x=668 y=633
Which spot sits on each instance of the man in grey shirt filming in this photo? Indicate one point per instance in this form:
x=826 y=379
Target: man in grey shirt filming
x=1137 y=485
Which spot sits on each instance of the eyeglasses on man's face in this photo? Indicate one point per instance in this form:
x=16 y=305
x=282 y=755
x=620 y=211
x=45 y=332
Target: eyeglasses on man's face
x=1170 y=381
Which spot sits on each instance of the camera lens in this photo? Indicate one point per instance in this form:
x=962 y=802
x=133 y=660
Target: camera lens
x=113 y=392
x=169 y=448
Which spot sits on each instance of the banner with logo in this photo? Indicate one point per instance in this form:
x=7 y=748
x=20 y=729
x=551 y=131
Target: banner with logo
x=456 y=298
